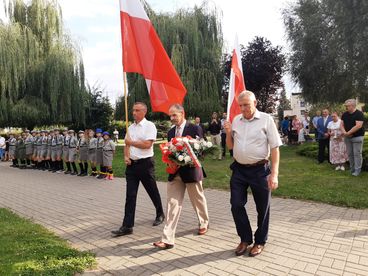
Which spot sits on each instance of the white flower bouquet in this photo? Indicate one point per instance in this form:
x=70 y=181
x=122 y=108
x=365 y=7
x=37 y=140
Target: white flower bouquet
x=185 y=151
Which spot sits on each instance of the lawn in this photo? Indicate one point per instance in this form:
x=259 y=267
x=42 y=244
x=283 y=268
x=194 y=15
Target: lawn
x=300 y=178
x=29 y=249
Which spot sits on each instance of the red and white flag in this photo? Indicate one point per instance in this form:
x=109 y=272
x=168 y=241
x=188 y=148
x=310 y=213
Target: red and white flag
x=237 y=83
x=143 y=53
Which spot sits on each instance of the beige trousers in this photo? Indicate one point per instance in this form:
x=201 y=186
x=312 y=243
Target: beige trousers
x=175 y=196
x=216 y=140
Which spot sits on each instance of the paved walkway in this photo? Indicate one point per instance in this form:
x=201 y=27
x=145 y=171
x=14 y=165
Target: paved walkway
x=305 y=238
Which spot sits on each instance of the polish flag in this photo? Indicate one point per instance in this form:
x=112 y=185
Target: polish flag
x=237 y=84
x=143 y=53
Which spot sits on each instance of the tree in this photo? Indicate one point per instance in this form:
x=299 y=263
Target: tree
x=42 y=78
x=284 y=104
x=263 y=68
x=329 y=42
x=193 y=40
x=99 y=111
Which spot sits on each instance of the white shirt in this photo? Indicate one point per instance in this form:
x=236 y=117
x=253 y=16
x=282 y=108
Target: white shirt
x=305 y=122
x=253 y=138
x=182 y=126
x=2 y=143
x=334 y=125
x=143 y=131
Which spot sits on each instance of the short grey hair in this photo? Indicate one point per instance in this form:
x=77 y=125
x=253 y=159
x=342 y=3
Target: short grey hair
x=351 y=101
x=177 y=107
x=245 y=94
x=142 y=104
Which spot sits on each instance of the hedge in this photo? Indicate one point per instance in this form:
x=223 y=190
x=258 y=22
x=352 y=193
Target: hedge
x=311 y=150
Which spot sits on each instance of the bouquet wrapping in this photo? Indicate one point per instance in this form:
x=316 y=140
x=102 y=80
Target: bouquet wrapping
x=185 y=151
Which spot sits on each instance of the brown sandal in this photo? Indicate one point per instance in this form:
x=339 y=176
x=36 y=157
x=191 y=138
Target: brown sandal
x=162 y=246
x=256 y=250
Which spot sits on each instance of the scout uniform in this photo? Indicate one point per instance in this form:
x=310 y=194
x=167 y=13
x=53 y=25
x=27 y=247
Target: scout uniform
x=66 y=151
x=35 y=153
x=48 y=155
x=73 y=142
x=29 y=147
x=39 y=150
x=92 y=148
x=34 y=148
x=108 y=150
x=43 y=153
x=53 y=154
x=83 y=154
x=99 y=154
x=21 y=151
x=59 y=150
x=12 y=143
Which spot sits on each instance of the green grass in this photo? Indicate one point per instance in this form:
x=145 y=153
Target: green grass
x=29 y=249
x=300 y=178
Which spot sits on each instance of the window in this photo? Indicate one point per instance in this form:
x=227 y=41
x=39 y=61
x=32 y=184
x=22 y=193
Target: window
x=302 y=104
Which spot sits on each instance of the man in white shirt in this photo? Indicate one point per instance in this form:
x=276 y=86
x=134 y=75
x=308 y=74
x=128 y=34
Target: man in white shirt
x=140 y=168
x=2 y=147
x=253 y=136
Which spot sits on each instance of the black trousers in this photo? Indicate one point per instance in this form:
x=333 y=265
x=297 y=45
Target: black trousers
x=223 y=144
x=322 y=145
x=255 y=178
x=140 y=171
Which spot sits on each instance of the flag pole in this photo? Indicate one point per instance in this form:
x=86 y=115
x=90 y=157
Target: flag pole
x=126 y=102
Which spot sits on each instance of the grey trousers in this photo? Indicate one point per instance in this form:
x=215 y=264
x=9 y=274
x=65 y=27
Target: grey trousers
x=354 y=146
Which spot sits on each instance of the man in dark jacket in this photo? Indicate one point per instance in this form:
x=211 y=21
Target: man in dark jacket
x=186 y=177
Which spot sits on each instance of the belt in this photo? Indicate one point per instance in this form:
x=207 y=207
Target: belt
x=259 y=163
x=139 y=160
x=92 y=149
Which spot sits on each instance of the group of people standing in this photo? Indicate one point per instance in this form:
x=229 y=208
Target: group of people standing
x=296 y=130
x=255 y=141
x=53 y=151
x=217 y=132
x=342 y=137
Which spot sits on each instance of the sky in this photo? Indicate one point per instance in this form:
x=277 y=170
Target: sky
x=95 y=25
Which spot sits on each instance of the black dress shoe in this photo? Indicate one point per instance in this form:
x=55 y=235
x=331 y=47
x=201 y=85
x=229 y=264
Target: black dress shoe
x=123 y=231
x=159 y=220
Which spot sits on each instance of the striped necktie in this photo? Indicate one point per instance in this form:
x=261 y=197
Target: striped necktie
x=177 y=132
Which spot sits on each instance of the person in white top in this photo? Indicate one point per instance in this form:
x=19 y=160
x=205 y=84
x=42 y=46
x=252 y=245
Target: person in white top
x=2 y=147
x=338 y=152
x=253 y=136
x=140 y=167
x=116 y=135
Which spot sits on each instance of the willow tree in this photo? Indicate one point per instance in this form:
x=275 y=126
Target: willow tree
x=41 y=70
x=193 y=40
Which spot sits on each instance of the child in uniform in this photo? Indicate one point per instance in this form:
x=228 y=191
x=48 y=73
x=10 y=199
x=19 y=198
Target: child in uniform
x=73 y=142
x=83 y=153
x=108 y=150
x=92 y=148
x=99 y=154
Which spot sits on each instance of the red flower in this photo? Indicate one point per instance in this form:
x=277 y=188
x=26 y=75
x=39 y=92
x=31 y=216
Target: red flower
x=179 y=147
